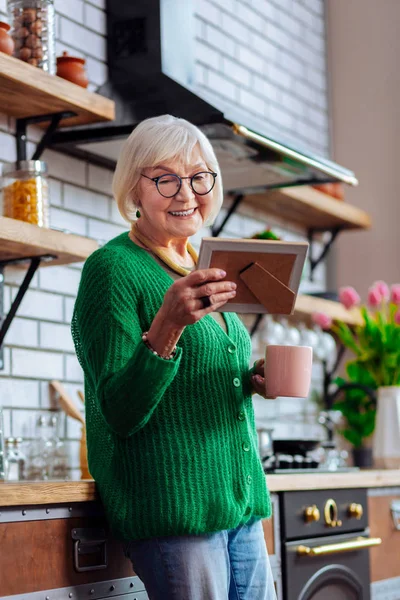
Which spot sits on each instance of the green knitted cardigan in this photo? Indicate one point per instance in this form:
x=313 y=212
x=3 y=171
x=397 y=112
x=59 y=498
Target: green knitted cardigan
x=172 y=444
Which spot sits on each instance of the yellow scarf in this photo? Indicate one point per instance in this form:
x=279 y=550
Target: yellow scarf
x=162 y=255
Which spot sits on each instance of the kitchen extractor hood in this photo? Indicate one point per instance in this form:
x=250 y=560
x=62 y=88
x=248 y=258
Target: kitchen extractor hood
x=151 y=67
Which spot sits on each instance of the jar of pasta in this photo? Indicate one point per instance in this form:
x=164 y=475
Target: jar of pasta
x=25 y=192
x=32 y=29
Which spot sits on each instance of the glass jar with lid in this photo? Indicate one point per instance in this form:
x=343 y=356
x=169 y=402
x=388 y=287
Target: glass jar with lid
x=25 y=192
x=33 y=32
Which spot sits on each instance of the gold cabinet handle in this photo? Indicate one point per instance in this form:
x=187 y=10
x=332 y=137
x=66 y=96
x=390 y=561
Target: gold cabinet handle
x=355 y=544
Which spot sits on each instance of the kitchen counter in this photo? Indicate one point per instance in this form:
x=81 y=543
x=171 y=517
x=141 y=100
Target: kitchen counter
x=58 y=492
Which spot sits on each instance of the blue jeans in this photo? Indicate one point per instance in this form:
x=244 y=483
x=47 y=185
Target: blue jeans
x=227 y=565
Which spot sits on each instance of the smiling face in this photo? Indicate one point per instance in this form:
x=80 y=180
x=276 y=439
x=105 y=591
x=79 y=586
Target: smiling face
x=180 y=216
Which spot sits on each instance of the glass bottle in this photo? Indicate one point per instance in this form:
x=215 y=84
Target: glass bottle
x=33 y=32
x=25 y=192
x=11 y=461
x=2 y=449
x=40 y=452
x=59 y=458
x=20 y=456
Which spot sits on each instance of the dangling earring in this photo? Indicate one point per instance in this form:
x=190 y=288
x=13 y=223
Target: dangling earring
x=138 y=214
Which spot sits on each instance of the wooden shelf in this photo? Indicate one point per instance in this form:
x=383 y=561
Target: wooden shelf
x=307 y=305
x=19 y=240
x=27 y=91
x=310 y=208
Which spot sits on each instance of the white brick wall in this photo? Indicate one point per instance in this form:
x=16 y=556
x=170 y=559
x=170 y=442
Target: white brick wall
x=266 y=57
x=280 y=46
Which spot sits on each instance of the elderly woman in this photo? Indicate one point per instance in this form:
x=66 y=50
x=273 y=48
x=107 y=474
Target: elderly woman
x=170 y=425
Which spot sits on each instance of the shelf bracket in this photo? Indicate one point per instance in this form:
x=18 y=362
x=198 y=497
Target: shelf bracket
x=21 y=135
x=34 y=264
x=256 y=324
x=326 y=247
x=237 y=199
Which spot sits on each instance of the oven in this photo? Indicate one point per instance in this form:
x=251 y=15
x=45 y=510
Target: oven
x=326 y=541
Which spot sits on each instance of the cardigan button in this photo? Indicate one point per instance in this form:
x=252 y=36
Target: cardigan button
x=246 y=447
x=231 y=349
x=236 y=382
x=241 y=416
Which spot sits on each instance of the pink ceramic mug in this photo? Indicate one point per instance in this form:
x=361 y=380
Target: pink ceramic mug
x=287 y=371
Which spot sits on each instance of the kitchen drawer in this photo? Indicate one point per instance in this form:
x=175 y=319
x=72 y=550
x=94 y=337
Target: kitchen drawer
x=39 y=553
x=329 y=507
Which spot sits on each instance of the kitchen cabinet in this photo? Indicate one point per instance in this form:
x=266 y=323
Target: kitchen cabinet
x=384 y=520
x=63 y=551
x=41 y=517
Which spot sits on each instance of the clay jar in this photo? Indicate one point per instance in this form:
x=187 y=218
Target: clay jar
x=6 y=41
x=73 y=69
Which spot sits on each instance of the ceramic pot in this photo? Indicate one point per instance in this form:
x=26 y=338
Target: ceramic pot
x=73 y=69
x=6 y=41
x=362 y=457
x=387 y=428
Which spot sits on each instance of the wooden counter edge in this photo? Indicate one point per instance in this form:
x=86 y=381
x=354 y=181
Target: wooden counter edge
x=328 y=481
x=54 y=492
x=57 y=492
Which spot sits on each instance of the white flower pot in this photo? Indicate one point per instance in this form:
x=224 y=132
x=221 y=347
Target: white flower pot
x=387 y=428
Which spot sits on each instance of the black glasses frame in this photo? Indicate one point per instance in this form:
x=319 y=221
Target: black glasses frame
x=156 y=180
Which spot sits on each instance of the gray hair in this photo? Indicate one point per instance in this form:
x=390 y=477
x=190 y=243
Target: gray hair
x=153 y=141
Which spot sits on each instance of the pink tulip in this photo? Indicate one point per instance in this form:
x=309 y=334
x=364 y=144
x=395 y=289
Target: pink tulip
x=397 y=317
x=374 y=297
x=395 y=295
x=349 y=297
x=383 y=289
x=324 y=321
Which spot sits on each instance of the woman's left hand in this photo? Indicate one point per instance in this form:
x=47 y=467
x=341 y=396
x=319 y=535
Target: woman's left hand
x=258 y=380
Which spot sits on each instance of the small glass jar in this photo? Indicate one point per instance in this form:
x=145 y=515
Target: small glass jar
x=26 y=192
x=33 y=32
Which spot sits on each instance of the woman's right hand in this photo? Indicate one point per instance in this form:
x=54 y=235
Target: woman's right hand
x=185 y=301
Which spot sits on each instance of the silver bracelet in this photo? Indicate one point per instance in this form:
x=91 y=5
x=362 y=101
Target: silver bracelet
x=150 y=347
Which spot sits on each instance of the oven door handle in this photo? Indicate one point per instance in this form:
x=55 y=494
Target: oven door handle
x=355 y=544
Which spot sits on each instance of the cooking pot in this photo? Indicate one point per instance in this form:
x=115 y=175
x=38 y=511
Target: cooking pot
x=265 y=444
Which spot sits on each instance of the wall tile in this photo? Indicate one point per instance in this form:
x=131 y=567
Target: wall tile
x=67 y=221
x=35 y=364
x=63 y=280
x=19 y=392
x=95 y=19
x=40 y=305
x=85 y=202
x=65 y=167
x=73 y=371
x=72 y=9
x=81 y=38
x=55 y=336
x=23 y=332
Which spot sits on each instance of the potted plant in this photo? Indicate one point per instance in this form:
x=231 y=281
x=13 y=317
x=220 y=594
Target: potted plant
x=376 y=366
x=267 y=234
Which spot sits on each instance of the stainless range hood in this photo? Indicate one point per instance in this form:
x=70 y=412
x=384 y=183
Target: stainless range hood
x=151 y=66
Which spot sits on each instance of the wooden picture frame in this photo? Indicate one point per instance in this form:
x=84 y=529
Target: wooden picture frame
x=267 y=272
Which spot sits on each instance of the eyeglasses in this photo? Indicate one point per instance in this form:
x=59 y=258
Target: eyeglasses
x=169 y=185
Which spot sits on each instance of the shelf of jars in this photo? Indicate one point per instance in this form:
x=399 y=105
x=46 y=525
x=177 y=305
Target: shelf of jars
x=19 y=240
x=310 y=208
x=307 y=305
x=26 y=91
